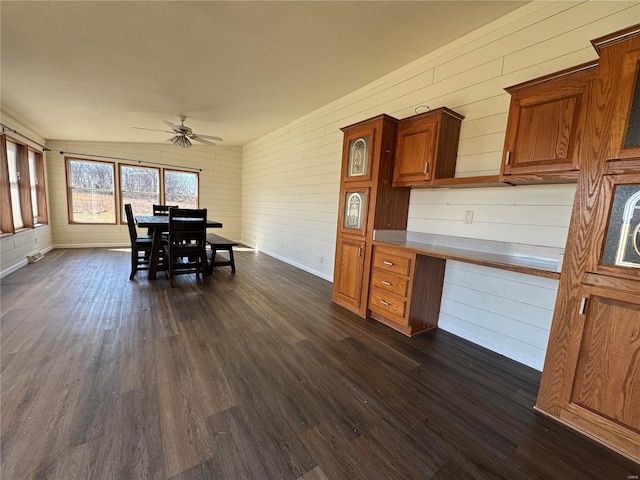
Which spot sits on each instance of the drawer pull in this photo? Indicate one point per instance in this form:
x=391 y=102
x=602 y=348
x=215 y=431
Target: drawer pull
x=507 y=160
x=426 y=167
x=384 y=302
x=384 y=282
x=388 y=263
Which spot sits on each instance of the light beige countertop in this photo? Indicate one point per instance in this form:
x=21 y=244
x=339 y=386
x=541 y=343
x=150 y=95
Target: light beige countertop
x=530 y=259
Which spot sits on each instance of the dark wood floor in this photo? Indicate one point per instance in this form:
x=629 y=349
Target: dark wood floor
x=254 y=376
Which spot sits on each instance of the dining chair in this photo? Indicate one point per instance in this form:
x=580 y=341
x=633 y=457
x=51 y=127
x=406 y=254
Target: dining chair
x=186 y=250
x=141 y=245
x=161 y=210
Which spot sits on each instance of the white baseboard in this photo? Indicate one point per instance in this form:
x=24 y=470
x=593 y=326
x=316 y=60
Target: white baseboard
x=22 y=263
x=298 y=265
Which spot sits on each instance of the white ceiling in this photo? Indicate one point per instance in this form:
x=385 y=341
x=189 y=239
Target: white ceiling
x=90 y=70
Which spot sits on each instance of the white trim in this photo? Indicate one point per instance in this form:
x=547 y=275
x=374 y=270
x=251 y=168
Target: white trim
x=290 y=262
x=22 y=263
x=92 y=245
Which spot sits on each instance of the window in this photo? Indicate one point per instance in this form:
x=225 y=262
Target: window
x=181 y=188
x=91 y=189
x=22 y=187
x=33 y=184
x=14 y=187
x=139 y=186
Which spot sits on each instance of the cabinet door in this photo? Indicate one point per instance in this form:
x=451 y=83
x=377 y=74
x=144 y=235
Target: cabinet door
x=354 y=210
x=357 y=154
x=546 y=123
x=415 y=152
x=625 y=131
x=349 y=269
x=615 y=247
x=601 y=392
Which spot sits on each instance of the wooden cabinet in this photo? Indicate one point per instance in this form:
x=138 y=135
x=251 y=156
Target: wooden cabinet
x=405 y=289
x=591 y=376
x=347 y=289
x=601 y=391
x=546 y=124
x=427 y=148
x=367 y=202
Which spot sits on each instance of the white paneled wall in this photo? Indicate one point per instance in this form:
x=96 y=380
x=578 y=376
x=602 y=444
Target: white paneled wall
x=290 y=178
x=15 y=248
x=220 y=186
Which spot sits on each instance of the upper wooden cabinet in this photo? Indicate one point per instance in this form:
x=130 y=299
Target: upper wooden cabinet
x=427 y=148
x=546 y=124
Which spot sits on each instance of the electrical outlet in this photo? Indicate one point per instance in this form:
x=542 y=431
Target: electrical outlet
x=468 y=216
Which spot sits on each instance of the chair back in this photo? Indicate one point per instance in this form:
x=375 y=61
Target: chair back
x=163 y=209
x=187 y=226
x=131 y=223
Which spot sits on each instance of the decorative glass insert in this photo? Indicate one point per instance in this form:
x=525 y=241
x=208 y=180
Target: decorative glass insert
x=622 y=244
x=358 y=157
x=632 y=138
x=353 y=210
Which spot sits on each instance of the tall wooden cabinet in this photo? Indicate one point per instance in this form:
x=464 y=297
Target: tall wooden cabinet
x=367 y=202
x=591 y=377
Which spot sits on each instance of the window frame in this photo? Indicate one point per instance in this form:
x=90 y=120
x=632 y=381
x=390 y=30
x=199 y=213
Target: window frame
x=123 y=219
x=164 y=180
x=7 y=225
x=116 y=185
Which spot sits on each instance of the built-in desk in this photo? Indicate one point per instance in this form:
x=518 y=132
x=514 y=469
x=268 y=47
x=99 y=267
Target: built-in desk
x=408 y=272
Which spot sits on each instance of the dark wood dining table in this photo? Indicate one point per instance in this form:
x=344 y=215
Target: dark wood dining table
x=159 y=224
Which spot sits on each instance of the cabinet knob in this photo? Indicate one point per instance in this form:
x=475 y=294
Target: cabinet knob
x=359 y=251
x=426 y=167
x=507 y=158
x=388 y=263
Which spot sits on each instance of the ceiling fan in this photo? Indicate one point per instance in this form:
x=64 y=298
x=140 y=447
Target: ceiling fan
x=183 y=134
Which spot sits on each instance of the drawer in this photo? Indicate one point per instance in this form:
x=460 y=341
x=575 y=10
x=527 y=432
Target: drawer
x=392 y=261
x=389 y=282
x=388 y=305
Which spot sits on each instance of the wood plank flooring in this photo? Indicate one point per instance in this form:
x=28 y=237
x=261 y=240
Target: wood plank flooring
x=255 y=375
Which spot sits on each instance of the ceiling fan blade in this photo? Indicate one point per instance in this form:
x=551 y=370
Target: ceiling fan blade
x=210 y=137
x=152 y=129
x=201 y=140
x=171 y=125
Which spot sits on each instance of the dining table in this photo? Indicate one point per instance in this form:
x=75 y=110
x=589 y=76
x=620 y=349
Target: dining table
x=158 y=224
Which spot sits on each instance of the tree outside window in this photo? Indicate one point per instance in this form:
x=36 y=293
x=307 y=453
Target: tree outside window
x=181 y=188
x=91 y=191
x=139 y=186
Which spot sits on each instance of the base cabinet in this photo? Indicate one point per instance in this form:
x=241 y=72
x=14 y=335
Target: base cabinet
x=347 y=284
x=405 y=289
x=601 y=393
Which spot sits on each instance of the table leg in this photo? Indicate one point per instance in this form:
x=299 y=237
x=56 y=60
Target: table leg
x=155 y=253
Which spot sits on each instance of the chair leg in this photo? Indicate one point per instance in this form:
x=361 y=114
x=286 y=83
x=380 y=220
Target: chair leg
x=134 y=262
x=233 y=262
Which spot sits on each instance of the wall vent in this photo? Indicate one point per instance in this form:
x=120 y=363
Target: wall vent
x=35 y=257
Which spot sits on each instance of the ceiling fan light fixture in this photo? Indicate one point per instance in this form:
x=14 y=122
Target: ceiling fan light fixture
x=181 y=141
